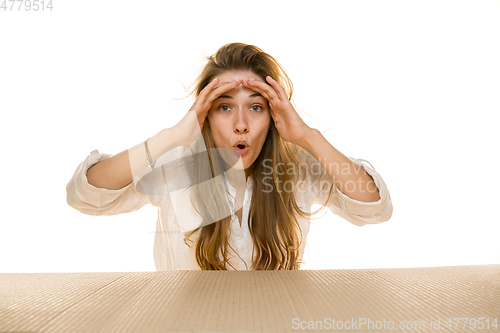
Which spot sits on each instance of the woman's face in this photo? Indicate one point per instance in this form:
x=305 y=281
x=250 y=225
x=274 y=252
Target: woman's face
x=240 y=114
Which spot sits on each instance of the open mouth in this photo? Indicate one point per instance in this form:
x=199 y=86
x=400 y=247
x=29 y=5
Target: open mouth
x=241 y=149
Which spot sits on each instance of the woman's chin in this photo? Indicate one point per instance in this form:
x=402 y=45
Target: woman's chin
x=228 y=156
x=239 y=165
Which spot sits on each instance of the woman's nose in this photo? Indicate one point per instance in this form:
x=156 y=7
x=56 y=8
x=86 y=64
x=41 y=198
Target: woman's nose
x=241 y=127
x=240 y=122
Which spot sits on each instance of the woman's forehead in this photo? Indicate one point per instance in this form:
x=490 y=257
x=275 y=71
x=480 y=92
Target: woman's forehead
x=236 y=75
x=240 y=92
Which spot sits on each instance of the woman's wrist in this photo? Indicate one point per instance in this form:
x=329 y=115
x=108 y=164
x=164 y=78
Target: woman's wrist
x=310 y=139
x=162 y=142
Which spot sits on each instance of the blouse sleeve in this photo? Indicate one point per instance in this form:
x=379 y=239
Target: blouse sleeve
x=356 y=212
x=92 y=200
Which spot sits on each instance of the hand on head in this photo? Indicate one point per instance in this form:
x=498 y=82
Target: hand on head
x=287 y=121
x=190 y=126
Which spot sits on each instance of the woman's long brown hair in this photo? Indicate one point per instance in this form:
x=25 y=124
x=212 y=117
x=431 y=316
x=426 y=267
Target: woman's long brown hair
x=273 y=224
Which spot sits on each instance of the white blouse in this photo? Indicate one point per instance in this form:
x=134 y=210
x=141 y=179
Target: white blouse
x=176 y=215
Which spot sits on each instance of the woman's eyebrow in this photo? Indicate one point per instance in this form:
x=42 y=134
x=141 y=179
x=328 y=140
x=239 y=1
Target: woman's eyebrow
x=223 y=96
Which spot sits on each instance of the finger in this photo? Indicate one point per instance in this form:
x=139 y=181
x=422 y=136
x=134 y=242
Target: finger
x=224 y=84
x=265 y=90
x=208 y=88
x=228 y=82
x=277 y=87
x=225 y=87
x=198 y=104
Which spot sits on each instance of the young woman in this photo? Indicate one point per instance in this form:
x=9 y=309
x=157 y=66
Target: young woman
x=235 y=179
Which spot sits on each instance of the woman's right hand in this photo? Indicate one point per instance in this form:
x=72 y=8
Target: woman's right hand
x=189 y=128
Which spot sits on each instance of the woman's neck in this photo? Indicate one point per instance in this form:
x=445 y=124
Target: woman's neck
x=237 y=178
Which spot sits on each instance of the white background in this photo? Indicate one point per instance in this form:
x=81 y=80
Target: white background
x=411 y=86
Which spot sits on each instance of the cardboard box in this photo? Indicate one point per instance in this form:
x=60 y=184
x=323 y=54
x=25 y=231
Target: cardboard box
x=341 y=300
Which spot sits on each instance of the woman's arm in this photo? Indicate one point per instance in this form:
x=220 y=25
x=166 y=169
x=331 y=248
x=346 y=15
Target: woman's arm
x=348 y=177
x=115 y=173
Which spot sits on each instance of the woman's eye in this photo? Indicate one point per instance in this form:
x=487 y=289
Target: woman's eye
x=256 y=108
x=224 y=108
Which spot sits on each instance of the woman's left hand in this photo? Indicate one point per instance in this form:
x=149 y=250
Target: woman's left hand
x=287 y=121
